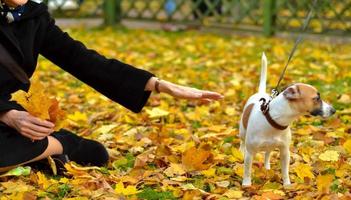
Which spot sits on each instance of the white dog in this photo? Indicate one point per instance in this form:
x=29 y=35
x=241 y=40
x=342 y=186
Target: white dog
x=265 y=126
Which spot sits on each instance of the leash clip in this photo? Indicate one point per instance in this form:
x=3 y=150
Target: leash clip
x=264 y=105
x=274 y=93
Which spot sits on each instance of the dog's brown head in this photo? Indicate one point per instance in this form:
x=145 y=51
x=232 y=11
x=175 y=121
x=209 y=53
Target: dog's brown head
x=306 y=99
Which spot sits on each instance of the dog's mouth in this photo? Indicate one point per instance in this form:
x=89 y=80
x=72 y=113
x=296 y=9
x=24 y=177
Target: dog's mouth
x=317 y=112
x=323 y=112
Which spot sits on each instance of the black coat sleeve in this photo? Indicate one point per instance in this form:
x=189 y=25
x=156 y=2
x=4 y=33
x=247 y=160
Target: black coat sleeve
x=8 y=85
x=118 y=81
x=6 y=105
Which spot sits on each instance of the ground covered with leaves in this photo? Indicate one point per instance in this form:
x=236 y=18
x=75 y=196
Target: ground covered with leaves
x=184 y=150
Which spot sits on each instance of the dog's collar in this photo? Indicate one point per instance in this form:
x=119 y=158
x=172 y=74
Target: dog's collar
x=265 y=111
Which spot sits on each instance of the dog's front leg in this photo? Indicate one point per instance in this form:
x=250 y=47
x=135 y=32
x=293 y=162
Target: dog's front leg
x=285 y=161
x=267 y=157
x=242 y=147
x=247 y=168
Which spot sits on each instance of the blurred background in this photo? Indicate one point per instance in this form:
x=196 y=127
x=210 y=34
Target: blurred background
x=268 y=17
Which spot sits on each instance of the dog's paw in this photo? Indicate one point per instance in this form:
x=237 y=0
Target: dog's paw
x=291 y=186
x=287 y=184
x=246 y=183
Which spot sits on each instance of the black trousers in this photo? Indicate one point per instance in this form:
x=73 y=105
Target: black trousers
x=16 y=149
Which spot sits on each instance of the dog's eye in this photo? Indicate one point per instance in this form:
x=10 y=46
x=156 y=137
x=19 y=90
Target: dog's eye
x=318 y=98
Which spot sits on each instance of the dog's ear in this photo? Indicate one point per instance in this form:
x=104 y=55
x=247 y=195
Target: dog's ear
x=292 y=93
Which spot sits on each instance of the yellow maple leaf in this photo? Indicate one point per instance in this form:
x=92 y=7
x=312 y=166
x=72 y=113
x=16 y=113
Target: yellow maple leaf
x=197 y=159
x=233 y=194
x=236 y=155
x=345 y=99
x=11 y=187
x=129 y=190
x=239 y=170
x=174 y=169
x=43 y=181
x=324 y=182
x=106 y=128
x=156 y=113
x=57 y=116
x=217 y=128
x=329 y=155
x=347 y=146
x=64 y=180
x=230 y=111
x=209 y=172
x=78 y=117
x=272 y=195
x=303 y=170
x=307 y=130
x=75 y=170
x=36 y=102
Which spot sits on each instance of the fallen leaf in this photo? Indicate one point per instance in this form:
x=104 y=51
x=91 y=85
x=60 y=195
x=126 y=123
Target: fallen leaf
x=174 y=170
x=156 y=113
x=347 y=146
x=129 y=190
x=345 y=99
x=329 y=155
x=196 y=159
x=78 y=117
x=18 y=171
x=233 y=194
x=303 y=170
x=211 y=172
x=324 y=182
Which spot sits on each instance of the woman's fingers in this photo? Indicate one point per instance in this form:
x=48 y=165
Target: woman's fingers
x=28 y=125
x=32 y=135
x=211 y=95
x=41 y=122
x=192 y=93
x=33 y=132
x=34 y=128
x=184 y=92
x=39 y=129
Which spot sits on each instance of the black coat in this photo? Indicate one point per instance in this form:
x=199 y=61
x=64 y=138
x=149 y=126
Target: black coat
x=36 y=33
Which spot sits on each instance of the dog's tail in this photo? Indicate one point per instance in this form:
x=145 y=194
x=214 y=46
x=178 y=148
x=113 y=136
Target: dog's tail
x=263 y=79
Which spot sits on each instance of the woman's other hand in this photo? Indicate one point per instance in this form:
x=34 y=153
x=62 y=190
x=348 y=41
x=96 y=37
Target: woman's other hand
x=182 y=92
x=27 y=125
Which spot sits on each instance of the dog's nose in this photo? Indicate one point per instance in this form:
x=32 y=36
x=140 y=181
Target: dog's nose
x=332 y=111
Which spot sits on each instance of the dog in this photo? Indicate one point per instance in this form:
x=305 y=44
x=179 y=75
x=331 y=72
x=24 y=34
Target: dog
x=265 y=126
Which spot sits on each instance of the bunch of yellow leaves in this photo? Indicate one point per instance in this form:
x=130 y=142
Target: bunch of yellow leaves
x=38 y=104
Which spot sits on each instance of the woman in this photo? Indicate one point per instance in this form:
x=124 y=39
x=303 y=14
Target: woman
x=27 y=30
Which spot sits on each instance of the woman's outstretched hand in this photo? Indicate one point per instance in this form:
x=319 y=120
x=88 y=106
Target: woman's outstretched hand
x=27 y=125
x=182 y=92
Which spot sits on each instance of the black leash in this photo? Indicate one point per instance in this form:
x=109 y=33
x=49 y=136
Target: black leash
x=275 y=91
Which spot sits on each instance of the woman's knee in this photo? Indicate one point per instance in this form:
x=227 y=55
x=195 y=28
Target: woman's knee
x=54 y=146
